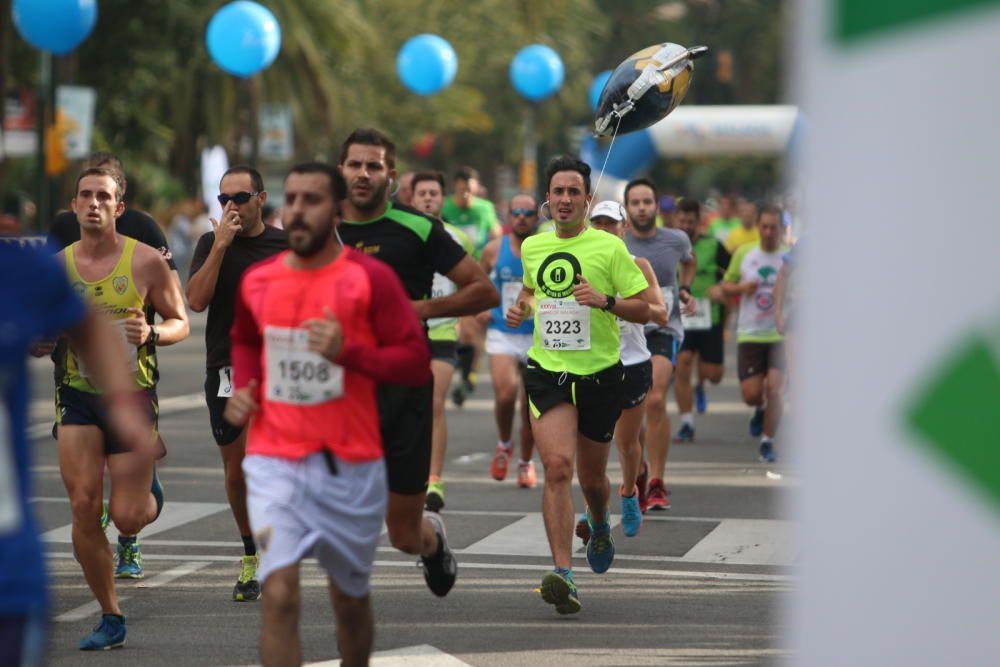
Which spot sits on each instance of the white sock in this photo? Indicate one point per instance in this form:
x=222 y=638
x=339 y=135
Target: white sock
x=508 y=445
x=766 y=439
x=524 y=463
x=687 y=418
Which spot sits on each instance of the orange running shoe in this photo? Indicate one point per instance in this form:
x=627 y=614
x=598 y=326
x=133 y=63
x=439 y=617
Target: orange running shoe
x=498 y=466
x=526 y=478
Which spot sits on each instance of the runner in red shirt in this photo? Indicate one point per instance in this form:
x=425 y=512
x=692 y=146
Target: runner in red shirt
x=315 y=329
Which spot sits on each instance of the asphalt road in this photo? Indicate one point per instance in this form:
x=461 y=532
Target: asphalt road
x=702 y=584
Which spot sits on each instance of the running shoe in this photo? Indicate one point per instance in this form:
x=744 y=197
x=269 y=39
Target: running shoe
x=462 y=391
x=157 y=491
x=642 y=484
x=700 y=400
x=108 y=634
x=247 y=588
x=105 y=516
x=767 y=454
x=757 y=423
x=500 y=463
x=631 y=515
x=526 y=478
x=658 y=498
x=129 y=561
x=441 y=569
x=434 y=501
x=601 y=548
x=685 y=433
x=583 y=528
x=561 y=591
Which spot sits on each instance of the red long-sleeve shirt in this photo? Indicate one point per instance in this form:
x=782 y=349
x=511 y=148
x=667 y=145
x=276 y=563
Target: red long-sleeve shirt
x=308 y=404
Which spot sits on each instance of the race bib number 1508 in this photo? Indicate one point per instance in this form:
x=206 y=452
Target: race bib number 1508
x=294 y=374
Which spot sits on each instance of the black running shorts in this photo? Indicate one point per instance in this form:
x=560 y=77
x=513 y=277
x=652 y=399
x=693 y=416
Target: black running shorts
x=223 y=432
x=445 y=350
x=597 y=397
x=663 y=344
x=759 y=358
x=708 y=344
x=638 y=380
x=82 y=408
x=406 y=418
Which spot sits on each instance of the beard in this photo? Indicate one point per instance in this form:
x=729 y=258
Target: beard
x=644 y=226
x=311 y=244
x=522 y=234
x=376 y=198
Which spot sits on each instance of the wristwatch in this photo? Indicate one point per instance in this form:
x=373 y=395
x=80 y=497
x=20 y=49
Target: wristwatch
x=610 y=303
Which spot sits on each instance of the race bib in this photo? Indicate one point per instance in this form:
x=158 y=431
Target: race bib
x=440 y=288
x=509 y=294
x=294 y=374
x=702 y=318
x=131 y=353
x=564 y=324
x=225 y=382
x=668 y=298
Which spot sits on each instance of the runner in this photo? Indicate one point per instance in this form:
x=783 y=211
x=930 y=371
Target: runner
x=415 y=248
x=428 y=191
x=746 y=232
x=751 y=275
x=42 y=307
x=574 y=377
x=610 y=216
x=404 y=192
x=727 y=220
x=121 y=277
x=63 y=232
x=220 y=259
x=315 y=329
x=667 y=250
x=508 y=348
x=703 y=330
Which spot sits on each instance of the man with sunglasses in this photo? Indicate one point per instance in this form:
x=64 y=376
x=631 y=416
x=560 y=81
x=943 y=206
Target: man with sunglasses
x=238 y=241
x=508 y=346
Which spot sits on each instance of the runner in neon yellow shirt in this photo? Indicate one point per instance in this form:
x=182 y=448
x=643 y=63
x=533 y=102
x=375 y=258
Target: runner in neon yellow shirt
x=574 y=376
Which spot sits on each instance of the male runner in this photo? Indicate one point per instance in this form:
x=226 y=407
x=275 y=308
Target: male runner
x=64 y=231
x=315 y=329
x=751 y=275
x=428 y=196
x=221 y=257
x=610 y=216
x=574 y=376
x=43 y=306
x=746 y=232
x=404 y=192
x=702 y=330
x=120 y=277
x=508 y=348
x=415 y=248
x=727 y=220
x=667 y=250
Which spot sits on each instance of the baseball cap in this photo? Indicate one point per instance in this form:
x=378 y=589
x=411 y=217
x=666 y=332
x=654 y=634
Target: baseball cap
x=610 y=209
x=668 y=203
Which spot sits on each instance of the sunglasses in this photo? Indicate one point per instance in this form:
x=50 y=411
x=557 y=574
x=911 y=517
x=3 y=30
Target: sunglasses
x=526 y=212
x=239 y=198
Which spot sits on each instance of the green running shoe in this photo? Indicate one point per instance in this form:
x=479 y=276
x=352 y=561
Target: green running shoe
x=129 y=561
x=105 y=516
x=247 y=587
x=560 y=591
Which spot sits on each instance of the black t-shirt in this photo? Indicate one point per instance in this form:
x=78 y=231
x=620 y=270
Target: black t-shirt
x=244 y=252
x=65 y=231
x=414 y=245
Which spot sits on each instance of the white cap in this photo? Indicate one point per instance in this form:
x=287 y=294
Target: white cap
x=609 y=209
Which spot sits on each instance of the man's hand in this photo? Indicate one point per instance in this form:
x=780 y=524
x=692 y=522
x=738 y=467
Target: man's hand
x=42 y=347
x=716 y=294
x=242 y=405
x=326 y=337
x=688 y=304
x=586 y=295
x=136 y=328
x=518 y=313
x=749 y=288
x=226 y=230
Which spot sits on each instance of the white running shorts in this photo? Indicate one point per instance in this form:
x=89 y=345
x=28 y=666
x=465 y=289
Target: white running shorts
x=508 y=344
x=299 y=508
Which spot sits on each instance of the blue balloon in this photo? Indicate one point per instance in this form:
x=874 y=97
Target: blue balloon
x=597 y=87
x=537 y=72
x=57 y=26
x=426 y=64
x=243 y=38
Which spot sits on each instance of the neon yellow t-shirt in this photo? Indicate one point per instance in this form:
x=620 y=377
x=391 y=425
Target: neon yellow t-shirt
x=739 y=237
x=569 y=337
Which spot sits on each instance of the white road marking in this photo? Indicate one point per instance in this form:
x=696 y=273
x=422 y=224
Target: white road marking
x=744 y=542
x=174 y=514
x=172 y=574
x=525 y=537
x=409 y=656
x=84 y=611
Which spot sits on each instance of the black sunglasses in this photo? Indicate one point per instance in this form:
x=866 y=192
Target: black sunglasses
x=526 y=212
x=239 y=198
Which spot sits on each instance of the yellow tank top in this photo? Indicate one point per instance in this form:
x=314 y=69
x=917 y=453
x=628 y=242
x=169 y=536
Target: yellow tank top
x=111 y=296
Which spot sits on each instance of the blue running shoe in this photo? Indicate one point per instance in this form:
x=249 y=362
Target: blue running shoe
x=559 y=589
x=685 y=433
x=601 y=548
x=700 y=400
x=157 y=491
x=766 y=450
x=105 y=516
x=129 y=561
x=108 y=634
x=631 y=516
x=757 y=423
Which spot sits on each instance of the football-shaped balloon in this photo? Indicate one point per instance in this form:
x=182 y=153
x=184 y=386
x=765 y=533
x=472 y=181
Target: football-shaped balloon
x=635 y=107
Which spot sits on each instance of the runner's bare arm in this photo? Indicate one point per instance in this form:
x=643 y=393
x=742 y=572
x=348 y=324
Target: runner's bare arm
x=475 y=293
x=687 y=274
x=631 y=309
x=164 y=294
x=651 y=295
x=487 y=260
x=201 y=284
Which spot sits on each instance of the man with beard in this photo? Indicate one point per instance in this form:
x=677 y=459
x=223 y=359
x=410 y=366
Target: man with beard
x=665 y=249
x=240 y=240
x=508 y=347
x=416 y=249
x=315 y=329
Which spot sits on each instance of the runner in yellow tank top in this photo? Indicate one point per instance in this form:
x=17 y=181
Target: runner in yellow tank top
x=119 y=277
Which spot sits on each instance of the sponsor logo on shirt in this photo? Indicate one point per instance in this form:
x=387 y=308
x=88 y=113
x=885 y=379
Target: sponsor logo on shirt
x=120 y=283
x=557 y=274
x=367 y=249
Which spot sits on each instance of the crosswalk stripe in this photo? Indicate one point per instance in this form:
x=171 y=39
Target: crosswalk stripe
x=744 y=542
x=409 y=656
x=174 y=514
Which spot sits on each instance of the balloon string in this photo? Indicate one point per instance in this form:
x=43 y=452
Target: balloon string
x=604 y=166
